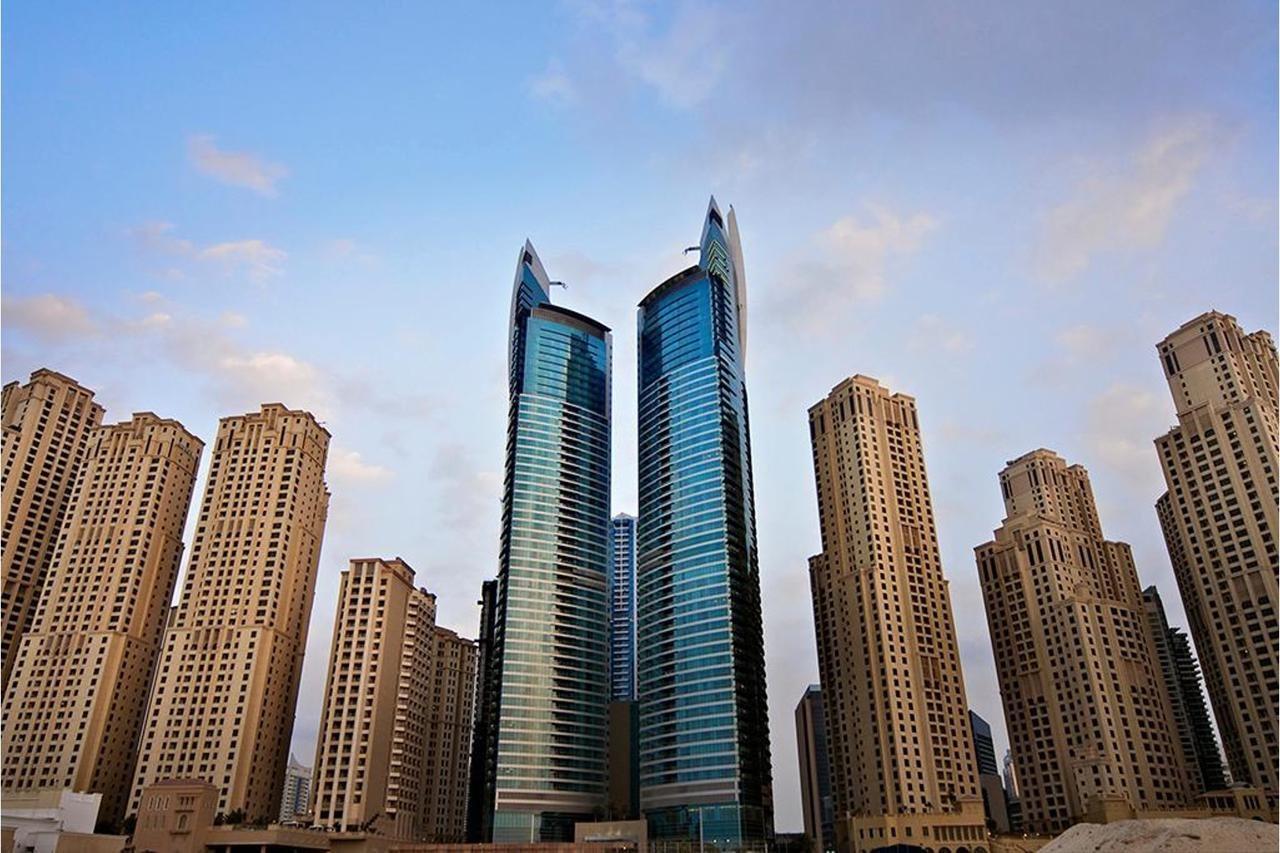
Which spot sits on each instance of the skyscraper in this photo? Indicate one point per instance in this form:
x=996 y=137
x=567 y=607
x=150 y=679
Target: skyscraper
x=295 y=803
x=984 y=748
x=484 y=738
x=622 y=609
x=1186 y=698
x=1220 y=526
x=1011 y=801
x=815 y=772
x=902 y=759
x=994 y=802
x=371 y=754
x=46 y=432
x=448 y=736
x=1010 y=775
x=78 y=692
x=1083 y=693
x=222 y=705
x=549 y=733
x=704 y=731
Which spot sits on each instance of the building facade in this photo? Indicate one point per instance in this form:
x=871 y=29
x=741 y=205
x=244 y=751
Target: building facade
x=994 y=801
x=548 y=737
x=622 y=609
x=1010 y=773
x=46 y=434
x=1083 y=693
x=705 y=772
x=222 y=705
x=1220 y=526
x=815 y=772
x=295 y=802
x=484 y=739
x=450 y=715
x=78 y=691
x=1186 y=698
x=902 y=760
x=371 y=754
x=984 y=747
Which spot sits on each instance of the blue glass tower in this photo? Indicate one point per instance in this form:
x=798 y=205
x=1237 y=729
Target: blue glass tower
x=704 y=732
x=548 y=738
x=622 y=609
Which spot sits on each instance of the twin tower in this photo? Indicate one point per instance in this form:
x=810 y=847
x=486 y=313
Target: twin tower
x=703 y=744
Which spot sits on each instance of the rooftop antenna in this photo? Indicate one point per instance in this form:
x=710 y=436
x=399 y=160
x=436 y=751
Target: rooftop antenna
x=692 y=249
x=558 y=284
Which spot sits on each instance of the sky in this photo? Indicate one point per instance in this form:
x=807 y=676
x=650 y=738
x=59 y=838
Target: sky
x=998 y=208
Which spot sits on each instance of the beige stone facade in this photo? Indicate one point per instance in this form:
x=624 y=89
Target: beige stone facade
x=1219 y=519
x=902 y=764
x=174 y=816
x=222 y=707
x=370 y=768
x=1083 y=692
x=78 y=692
x=46 y=432
x=448 y=740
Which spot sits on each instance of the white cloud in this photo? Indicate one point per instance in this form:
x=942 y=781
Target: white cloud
x=48 y=317
x=257 y=258
x=553 y=84
x=468 y=494
x=1121 y=424
x=156 y=237
x=271 y=377
x=847 y=265
x=932 y=332
x=348 y=466
x=1085 y=341
x=237 y=168
x=1125 y=209
x=684 y=64
x=861 y=249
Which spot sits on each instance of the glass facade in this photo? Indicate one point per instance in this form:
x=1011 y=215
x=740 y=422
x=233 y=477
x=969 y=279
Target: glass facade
x=622 y=609
x=704 y=733
x=549 y=737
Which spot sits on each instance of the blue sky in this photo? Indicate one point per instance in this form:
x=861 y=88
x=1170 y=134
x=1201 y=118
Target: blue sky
x=997 y=208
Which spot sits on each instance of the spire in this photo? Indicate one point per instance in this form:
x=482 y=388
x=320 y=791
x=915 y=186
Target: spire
x=532 y=287
x=739 y=280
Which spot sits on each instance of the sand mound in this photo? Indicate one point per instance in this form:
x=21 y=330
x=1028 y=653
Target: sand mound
x=1169 y=835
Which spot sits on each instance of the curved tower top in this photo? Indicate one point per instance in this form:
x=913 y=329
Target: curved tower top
x=532 y=287
x=724 y=230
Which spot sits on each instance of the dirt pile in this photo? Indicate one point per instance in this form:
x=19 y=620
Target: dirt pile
x=1169 y=835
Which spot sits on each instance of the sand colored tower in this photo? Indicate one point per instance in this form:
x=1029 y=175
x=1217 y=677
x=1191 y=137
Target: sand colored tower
x=1084 y=697
x=1220 y=525
x=222 y=706
x=902 y=762
x=46 y=432
x=78 y=692
x=371 y=755
x=450 y=715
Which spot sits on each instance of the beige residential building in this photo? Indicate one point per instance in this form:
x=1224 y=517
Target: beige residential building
x=1220 y=526
x=1084 y=699
x=902 y=763
x=222 y=706
x=448 y=741
x=78 y=692
x=370 y=768
x=46 y=432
